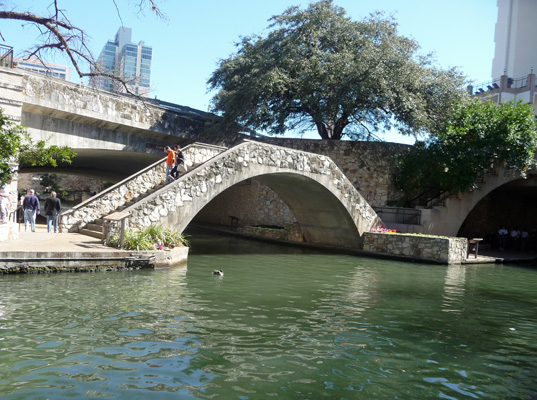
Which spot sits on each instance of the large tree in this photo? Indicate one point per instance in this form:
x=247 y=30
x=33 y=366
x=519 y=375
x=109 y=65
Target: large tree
x=56 y=33
x=476 y=135
x=318 y=69
x=16 y=147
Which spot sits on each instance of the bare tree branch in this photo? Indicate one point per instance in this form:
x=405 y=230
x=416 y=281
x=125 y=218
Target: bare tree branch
x=59 y=34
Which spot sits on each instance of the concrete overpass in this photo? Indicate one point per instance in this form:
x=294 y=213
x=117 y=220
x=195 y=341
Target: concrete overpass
x=114 y=135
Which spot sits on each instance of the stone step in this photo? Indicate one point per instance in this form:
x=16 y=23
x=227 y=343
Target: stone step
x=95 y=227
x=91 y=233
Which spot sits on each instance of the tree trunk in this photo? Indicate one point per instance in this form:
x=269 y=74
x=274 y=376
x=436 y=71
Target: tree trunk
x=328 y=133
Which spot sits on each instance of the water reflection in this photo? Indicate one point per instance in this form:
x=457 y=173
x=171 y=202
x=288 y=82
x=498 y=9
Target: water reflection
x=454 y=288
x=282 y=323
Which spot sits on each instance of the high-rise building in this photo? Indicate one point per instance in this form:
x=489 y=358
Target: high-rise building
x=515 y=37
x=35 y=65
x=128 y=61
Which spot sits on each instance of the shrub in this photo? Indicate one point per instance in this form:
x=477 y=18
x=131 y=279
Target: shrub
x=151 y=238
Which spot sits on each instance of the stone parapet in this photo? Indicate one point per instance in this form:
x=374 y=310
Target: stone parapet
x=445 y=250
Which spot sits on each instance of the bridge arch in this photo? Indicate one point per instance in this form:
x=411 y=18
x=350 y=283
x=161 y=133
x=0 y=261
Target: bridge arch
x=328 y=208
x=511 y=205
x=450 y=219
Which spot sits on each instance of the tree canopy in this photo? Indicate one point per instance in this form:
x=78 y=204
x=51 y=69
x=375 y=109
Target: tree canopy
x=318 y=69
x=476 y=134
x=17 y=147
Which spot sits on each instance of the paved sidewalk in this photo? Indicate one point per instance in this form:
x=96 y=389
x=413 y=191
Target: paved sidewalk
x=40 y=243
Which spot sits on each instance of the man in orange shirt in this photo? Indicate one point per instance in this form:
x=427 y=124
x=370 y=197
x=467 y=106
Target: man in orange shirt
x=169 y=164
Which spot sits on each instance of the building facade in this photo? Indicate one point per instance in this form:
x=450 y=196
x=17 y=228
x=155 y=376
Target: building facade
x=128 y=61
x=515 y=38
x=515 y=58
x=48 y=69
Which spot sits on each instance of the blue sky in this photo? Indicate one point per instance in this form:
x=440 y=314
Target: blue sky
x=199 y=33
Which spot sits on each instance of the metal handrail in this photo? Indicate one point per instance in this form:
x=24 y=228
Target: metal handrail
x=6 y=56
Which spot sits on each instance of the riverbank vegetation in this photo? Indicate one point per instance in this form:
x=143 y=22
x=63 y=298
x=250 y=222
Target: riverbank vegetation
x=151 y=238
x=17 y=147
x=477 y=136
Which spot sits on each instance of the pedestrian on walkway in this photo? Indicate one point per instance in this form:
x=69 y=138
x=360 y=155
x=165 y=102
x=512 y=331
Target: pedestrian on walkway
x=31 y=209
x=5 y=202
x=53 y=206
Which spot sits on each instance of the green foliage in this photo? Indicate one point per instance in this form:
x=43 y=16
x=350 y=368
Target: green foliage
x=50 y=181
x=18 y=147
x=10 y=142
x=318 y=69
x=151 y=238
x=476 y=134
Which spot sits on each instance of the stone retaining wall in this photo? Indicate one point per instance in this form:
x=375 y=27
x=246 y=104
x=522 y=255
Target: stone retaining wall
x=369 y=166
x=289 y=232
x=445 y=250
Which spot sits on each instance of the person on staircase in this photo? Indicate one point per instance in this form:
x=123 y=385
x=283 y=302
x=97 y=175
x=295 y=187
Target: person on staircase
x=179 y=166
x=170 y=161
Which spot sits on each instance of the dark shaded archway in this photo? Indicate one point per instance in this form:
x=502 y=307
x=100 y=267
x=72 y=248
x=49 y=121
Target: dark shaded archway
x=513 y=205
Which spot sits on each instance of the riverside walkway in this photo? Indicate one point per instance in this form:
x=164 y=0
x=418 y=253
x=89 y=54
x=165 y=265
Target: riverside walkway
x=41 y=248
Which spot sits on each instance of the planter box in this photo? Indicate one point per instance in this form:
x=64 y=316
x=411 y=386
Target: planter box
x=445 y=250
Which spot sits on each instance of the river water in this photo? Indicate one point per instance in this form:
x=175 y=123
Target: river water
x=281 y=323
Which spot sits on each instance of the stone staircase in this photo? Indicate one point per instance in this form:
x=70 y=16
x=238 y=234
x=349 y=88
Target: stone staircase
x=96 y=228
x=88 y=217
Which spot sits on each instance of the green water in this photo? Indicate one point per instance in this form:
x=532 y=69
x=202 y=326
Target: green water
x=282 y=323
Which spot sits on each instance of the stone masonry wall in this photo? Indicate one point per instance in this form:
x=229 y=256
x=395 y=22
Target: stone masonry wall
x=369 y=166
x=446 y=250
x=252 y=202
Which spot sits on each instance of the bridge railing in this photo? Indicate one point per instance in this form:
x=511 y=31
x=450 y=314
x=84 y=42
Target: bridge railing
x=131 y=188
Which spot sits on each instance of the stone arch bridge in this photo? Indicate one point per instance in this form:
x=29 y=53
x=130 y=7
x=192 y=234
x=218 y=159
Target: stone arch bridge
x=328 y=208
x=116 y=136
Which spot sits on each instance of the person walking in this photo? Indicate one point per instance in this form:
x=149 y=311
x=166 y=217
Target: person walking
x=31 y=208
x=53 y=205
x=179 y=166
x=170 y=160
x=5 y=202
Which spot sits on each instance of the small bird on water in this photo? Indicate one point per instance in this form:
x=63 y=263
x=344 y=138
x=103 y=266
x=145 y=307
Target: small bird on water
x=218 y=272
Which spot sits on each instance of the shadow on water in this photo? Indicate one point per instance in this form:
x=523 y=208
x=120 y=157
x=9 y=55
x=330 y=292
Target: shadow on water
x=213 y=242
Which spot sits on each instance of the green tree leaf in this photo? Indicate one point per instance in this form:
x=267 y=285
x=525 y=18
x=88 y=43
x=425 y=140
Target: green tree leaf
x=316 y=68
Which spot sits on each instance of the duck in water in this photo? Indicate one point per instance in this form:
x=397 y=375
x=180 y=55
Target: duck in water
x=218 y=272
